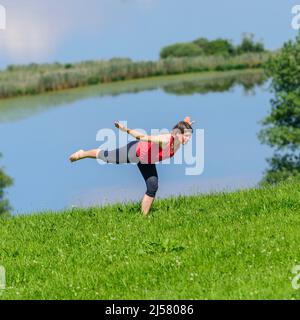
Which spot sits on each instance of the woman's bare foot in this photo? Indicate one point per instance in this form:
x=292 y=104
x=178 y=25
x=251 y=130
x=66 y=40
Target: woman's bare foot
x=76 y=156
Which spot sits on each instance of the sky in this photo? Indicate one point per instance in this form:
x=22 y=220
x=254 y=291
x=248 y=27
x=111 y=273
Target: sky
x=74 y=30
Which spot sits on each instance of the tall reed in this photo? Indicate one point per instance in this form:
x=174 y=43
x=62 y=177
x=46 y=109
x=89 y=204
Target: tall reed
x=34 y=78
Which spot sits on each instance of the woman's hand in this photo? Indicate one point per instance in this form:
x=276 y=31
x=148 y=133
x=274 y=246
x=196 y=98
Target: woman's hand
x=120 y=126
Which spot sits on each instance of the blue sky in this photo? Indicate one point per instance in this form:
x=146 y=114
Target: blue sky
x=75 y=30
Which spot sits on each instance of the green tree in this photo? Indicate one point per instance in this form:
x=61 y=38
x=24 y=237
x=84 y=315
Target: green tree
x=281 y=128
x=201 y=42
x=5 y=181
x=282 y=168
x=249 y=45
x=181 y=50
x=215 y=47
x=205 y=47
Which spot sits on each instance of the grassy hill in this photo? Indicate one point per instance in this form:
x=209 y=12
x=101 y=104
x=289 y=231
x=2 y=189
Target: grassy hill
x=239 y=245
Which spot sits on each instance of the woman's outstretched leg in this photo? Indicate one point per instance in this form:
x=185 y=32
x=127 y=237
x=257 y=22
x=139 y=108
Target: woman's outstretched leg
x=124 y=154
x=81 y=154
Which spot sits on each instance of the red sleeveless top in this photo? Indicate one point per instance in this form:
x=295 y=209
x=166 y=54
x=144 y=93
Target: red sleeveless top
x=151 y=152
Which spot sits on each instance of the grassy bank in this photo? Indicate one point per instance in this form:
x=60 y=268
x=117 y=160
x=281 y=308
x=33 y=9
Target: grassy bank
x=218 y=246
x=188 y=83
x=36 y=79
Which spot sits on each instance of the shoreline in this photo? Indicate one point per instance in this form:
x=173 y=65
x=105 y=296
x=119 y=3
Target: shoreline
x=141 y=81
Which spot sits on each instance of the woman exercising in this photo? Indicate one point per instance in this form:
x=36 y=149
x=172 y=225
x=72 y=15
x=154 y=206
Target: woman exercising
x=145 y=152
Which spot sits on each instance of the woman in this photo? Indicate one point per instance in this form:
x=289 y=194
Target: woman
x=145 y=152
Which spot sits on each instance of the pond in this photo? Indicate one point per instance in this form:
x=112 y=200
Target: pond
x=39 y=133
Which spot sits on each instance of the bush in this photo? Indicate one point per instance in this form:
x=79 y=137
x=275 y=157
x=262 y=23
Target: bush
x=215 y=47
x=5 y=181
x=282 y=126
x=205 y=47
x=181 y=50
x=283 y=123
x=248 y=45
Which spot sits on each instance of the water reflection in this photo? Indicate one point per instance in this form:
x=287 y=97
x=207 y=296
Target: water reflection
x=219 y=84
x=18 y=108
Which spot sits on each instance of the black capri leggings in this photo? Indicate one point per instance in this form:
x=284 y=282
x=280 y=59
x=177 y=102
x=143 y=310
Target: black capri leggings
x=127 y=154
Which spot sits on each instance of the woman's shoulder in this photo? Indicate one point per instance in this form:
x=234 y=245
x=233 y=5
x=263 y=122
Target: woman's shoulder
x=161 y=139
x=166 y=137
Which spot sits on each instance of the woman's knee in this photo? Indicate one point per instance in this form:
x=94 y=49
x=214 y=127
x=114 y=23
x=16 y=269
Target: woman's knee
x=152 y=186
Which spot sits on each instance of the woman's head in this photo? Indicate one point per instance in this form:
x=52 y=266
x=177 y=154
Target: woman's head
x=183 y=130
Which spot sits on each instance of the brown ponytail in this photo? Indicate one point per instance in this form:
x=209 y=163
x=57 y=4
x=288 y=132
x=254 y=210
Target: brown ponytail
x=182 y=126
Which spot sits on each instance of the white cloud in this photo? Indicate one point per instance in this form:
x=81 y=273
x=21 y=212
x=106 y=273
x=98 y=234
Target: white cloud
x=28 y=39
x=35 y=29
x=2 y=17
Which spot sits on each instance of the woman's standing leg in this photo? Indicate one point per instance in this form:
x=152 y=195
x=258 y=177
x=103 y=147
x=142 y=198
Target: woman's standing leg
x=150 y=176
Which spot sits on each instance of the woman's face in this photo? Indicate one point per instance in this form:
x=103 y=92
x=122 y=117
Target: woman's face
x=184 y=138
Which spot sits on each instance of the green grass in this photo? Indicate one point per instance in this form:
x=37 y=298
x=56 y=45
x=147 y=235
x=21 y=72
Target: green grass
x=239 y=245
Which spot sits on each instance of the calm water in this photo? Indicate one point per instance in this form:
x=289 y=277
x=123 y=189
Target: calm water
x=39 y=133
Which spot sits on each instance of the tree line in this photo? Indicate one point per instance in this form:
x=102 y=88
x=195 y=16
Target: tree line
x=205 y=47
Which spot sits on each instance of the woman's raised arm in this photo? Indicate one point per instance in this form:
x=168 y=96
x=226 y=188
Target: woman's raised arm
x=161 y=138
